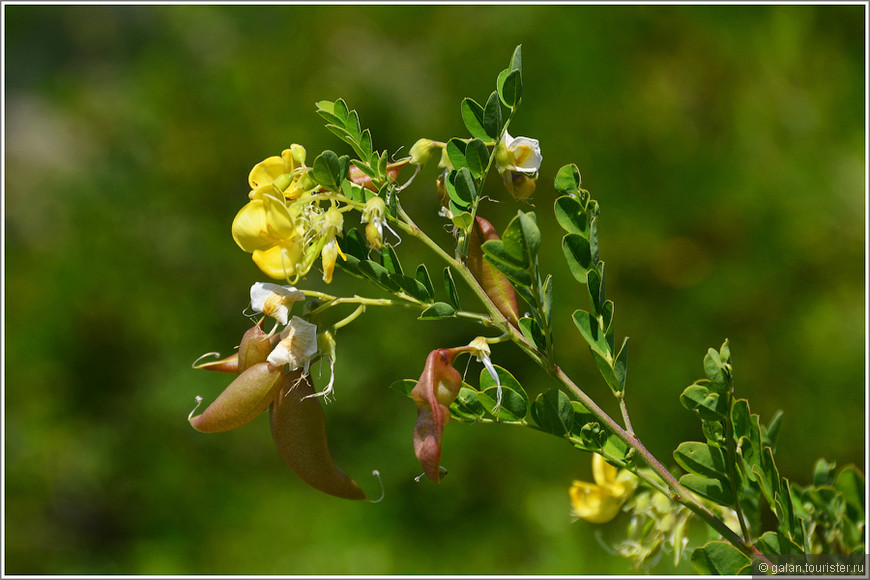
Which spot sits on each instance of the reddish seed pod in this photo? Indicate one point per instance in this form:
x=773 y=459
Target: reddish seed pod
x=255 y=346
x=245 y=398
x=299 y=431
x=493 y=282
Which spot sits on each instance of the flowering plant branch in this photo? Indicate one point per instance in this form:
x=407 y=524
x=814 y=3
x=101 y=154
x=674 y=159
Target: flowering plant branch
x=296 y=214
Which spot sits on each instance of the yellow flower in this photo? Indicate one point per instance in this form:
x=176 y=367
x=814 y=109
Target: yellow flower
x=281 y=176
x=599 y=502
x=268 y=231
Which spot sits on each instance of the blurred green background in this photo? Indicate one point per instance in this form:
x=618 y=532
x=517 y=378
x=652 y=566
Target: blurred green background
x=725 y=144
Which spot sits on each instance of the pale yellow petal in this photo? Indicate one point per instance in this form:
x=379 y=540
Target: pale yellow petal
x=279 y=261
x=251 y=228
x=593 y=503
x=265 y=171
x=603 y=473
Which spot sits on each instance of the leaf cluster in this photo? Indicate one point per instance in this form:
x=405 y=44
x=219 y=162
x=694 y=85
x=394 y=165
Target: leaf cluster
x=735 y=468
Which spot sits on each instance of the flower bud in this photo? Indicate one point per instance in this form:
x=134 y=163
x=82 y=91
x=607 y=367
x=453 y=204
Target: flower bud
x=373 y=216
x=294 y=155
x=422 y=151
x=519 y=185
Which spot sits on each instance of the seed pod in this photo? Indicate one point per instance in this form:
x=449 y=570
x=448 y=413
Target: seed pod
x=299 y=431
x=245 y=398
x=493 y=282
x=255 y=346
x=229 y=364
x=436 y=389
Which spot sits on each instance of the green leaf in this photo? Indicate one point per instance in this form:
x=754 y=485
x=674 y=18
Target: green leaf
x=702 y=459
x=823 y=472
x=515 y=401
x=716 y=372
x=352 y=125
x=492 y=118
x=496 y=254
x=533 y=333
x=340 y=109
x=716 y=490
x=620 y=365
x=595 y=286
x=450 y=288
x=477 y=157
x=771 y=543
x=467 y=407
x=354 y=244
x=365 y=145
x=521 y=241
x=553 y=412
x=378 y=274
x=473 y=117
x=741 y=418
x=422 y=275
x=390 y=260
x=547 y=300
x=461 y=219
x=719 y=557
x=517 y=59
x=567 y=182
x=404 y=386
x=437 y=311
x=412 y=287
x=329 y=170
x=770 y=433
x=463 y=184
x=709 y=406
x=510 y=87
x=592 y=332
x=456 y=153
x=577 y=255
x=850 y=483
x=571 y=216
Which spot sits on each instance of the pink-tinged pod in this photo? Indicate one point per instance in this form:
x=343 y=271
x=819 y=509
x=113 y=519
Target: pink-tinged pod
x=255 y=346
x=493 y=282
x=229 y=364
x=437 y=388
x=245 y=398
x=299 y=431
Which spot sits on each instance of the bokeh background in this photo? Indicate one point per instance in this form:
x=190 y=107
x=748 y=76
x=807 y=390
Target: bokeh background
x=725 y=144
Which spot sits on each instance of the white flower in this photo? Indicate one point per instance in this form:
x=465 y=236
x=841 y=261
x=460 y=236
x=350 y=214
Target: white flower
x=274 y=300
x=519 y=155
x=480 y=349
x=298 y=344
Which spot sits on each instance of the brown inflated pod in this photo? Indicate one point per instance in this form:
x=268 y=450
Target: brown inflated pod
x=255 y=346
x=299 y=431
x=493 y=282
x=245 y=398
